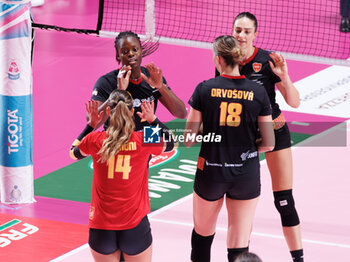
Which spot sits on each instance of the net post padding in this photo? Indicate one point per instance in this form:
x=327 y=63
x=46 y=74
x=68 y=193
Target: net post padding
x=16 y=120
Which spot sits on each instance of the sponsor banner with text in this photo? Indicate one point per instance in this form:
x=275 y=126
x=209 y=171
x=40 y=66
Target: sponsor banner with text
x=16 y=120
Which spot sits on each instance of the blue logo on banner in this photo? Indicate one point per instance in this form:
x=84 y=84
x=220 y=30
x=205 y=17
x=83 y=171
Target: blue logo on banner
x=151 y=134
x=16 y=136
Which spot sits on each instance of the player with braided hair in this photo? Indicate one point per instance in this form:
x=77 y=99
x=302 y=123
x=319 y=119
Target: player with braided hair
x=143 y=83
x=119 y=201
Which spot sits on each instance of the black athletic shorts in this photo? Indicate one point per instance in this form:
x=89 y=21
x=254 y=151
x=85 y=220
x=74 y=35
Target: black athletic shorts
x=243 y=188
x=282 y=138
x=131 y=241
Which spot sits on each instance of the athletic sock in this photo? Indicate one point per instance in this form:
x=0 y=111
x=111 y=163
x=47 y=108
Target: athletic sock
x=297 y=255
x=233 y=253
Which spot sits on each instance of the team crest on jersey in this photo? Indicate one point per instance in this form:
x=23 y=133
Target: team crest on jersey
x=257 y=67
x=91 y=212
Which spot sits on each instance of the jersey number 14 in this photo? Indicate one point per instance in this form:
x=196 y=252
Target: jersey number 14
x=122 y=165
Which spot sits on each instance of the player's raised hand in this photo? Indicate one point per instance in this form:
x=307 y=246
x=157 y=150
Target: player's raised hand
x=279 y=65
x=94 y=116
x=147 y=111
x=123 y=77
x=155 y=78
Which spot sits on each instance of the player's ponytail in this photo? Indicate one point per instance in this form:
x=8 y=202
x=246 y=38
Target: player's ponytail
x=228 y=48
x=121 y=124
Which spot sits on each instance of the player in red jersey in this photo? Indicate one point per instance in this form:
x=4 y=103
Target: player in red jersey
x=120 y=200
x=233 y=108
x=270 y=70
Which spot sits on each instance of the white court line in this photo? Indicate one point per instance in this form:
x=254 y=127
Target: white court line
x=342 y=125
x=150 y=215
x=299 y=123
x=167 y=207
x=70 y=253
x=254 y=233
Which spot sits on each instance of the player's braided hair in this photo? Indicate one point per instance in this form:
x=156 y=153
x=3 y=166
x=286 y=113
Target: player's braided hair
x=148 y=47
x=121 y=124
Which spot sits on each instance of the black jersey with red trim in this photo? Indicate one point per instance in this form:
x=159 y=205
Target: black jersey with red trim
x=140 y=91
x=230 y=107
x=257 y=69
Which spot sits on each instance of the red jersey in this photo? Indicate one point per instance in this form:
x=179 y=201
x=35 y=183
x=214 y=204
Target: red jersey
x=119 y=198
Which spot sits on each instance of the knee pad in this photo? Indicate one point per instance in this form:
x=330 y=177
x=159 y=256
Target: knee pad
x=285 y=205
x=201 y=247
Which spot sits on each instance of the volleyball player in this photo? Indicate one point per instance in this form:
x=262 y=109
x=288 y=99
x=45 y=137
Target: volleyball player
x=143 y=83
x=119 y=201
x=232 y=108
x=270 y=70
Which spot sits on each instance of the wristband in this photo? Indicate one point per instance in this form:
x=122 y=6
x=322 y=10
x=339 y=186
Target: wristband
x=75 y=153
x=88 y=129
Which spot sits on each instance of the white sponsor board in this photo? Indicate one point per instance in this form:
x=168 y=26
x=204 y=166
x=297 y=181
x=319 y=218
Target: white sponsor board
x=326 y=92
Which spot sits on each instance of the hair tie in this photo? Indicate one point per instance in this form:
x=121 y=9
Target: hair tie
x=121 y=99
x=113 y=104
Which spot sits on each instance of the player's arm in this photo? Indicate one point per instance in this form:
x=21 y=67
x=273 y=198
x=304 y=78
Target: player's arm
x=286 y=86
x=193 y=127
x=123 y=82
x=94 y=118
x=174 y=104
x=267 y=141
x=147 y=112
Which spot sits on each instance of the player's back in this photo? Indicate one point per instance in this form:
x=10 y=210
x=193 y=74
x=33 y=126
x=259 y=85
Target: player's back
x=230 y=107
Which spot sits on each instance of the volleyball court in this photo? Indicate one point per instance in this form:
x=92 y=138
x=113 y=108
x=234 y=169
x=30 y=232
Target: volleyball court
x=65 y=67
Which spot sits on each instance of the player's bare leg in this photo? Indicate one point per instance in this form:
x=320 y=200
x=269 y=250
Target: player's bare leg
x=145 y=256
x=98 y=257
x=280 y=165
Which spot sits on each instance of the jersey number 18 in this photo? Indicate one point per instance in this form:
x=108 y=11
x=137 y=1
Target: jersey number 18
x=230 y=114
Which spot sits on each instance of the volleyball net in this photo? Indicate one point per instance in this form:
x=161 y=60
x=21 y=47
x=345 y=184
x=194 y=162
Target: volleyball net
x=305 y=30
